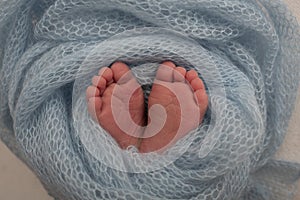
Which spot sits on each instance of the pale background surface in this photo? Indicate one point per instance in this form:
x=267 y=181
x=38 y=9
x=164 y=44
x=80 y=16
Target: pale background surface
x=17 y=182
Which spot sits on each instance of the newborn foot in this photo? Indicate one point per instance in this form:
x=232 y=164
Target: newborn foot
x=114 y=99
x=182 y=94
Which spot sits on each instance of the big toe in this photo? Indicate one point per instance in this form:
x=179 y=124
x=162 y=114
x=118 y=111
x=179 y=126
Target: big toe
x=165 y=71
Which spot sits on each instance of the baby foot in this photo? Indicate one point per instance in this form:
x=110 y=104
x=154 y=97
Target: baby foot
x=108 y=94
x=182 y=94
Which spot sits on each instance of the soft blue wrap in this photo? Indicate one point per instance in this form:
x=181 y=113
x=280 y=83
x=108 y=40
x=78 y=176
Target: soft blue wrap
x=246 y=51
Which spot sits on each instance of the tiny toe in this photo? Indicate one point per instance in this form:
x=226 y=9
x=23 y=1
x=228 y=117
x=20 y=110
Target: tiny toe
x=107 y=74
x=197 y=84
x=201 y=98
x=94 y=107
x=121 y=72
x=191 y=75
x=100 y=82
x=179 y=74
x=165 y=71
x=92 y=91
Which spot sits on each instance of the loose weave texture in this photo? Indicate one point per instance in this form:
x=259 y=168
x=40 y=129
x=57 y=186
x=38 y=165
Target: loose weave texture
x=247 y=53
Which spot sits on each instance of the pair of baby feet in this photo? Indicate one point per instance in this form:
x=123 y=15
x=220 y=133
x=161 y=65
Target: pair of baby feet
x=177 y=104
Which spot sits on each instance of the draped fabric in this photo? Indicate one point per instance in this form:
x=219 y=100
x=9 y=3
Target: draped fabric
x=246 y=52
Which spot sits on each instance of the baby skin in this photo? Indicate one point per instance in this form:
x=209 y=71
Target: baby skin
x=180 y=94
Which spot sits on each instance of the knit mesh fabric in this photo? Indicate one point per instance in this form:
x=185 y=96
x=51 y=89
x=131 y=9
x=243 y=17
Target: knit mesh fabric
x=246 y=52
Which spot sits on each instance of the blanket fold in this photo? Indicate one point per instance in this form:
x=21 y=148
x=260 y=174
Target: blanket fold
x=246 y=52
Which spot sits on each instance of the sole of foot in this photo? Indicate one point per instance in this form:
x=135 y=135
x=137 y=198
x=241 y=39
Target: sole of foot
x=183 y=97
x=113 y=97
